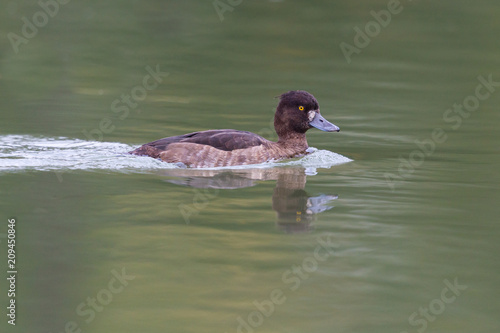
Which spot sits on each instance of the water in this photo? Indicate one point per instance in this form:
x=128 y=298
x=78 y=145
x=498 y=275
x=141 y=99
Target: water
x=395 y=214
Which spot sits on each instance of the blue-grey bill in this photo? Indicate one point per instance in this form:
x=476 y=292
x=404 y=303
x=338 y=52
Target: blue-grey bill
x=322 y=124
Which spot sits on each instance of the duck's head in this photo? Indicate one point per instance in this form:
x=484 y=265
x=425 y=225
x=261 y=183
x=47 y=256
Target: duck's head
x=297 y=112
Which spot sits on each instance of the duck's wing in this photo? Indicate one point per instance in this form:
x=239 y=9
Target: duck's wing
x=226 y=139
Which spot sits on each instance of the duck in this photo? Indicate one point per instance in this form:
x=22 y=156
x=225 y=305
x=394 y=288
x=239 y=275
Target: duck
x=296 y=113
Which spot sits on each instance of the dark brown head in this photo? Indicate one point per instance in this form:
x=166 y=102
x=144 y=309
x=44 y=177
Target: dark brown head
x=297 y=112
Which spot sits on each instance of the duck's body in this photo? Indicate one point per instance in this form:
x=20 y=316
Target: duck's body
x=297 y=112
x=218 y=148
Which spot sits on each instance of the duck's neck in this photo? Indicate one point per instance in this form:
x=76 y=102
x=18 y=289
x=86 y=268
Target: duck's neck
x=294 y=140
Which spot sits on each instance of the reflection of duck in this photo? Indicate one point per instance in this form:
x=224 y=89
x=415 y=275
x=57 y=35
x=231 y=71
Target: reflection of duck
x=294 y=207
x=297 y=112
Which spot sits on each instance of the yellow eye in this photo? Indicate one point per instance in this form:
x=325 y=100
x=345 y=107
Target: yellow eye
x=301 y=108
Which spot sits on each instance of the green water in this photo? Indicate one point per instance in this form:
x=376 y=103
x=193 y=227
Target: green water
x=372 y=245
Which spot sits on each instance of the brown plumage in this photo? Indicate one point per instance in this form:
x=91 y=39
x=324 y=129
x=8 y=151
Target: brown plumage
x=297 y=112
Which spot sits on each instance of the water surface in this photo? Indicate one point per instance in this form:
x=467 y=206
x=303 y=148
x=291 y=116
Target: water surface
x=361 y=236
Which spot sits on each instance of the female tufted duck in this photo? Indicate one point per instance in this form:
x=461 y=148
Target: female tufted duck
x=297 y=112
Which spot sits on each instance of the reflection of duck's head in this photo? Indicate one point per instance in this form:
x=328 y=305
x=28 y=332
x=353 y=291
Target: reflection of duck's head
x=297 y=112
x=294 y=207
